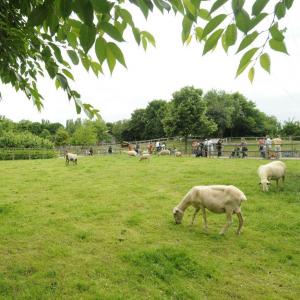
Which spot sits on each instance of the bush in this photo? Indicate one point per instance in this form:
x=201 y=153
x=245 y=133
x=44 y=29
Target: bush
x=12 y=139
x=11 y=154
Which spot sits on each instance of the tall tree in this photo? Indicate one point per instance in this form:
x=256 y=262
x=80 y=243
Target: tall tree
x=220 y=110
x=39 y=34
x=154 y=114
x=186 y=115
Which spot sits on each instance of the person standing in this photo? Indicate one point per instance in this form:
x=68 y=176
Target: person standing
x=278 y=142
x=261 y=147
x=219 y=147
x=244 y=148
x=268 y=146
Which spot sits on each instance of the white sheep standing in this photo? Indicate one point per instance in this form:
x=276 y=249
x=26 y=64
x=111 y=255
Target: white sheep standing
x=216 y=198
x=274 y=170
x=164 y=152
x=131 y=153
x=145 y=156
x=70 y=157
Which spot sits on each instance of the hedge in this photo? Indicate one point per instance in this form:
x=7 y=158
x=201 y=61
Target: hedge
x=12 y=154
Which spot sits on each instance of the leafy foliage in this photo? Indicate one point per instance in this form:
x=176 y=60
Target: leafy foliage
x=38 y=36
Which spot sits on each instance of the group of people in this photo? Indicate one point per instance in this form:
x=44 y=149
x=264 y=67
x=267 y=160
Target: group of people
x=205 y=148
x=240 y=149
x=265 y=147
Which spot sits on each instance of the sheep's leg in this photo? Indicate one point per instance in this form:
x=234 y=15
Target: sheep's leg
x=228 y=223
x=194 y=216
x=241 y=222
x=204 y=218
x=277 y=184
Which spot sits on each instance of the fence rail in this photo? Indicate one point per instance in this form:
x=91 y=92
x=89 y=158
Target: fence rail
x=289 y=149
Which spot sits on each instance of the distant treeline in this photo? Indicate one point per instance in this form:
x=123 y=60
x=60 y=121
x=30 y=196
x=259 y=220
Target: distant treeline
x=188 y=113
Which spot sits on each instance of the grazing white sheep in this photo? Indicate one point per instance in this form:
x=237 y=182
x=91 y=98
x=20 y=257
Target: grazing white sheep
x=178 y=154
x=70 y=157
x=271 y=171
x=131 y=153
x=164 y=152
x=216 y=198
x=145 y=156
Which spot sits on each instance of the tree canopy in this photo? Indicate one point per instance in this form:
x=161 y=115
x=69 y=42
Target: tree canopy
x=39 y=37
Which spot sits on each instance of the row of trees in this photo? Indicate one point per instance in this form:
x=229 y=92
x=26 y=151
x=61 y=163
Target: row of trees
x=190 y=112
x=27 y=134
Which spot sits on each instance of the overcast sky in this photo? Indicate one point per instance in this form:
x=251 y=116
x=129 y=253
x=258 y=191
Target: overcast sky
x=160 y=71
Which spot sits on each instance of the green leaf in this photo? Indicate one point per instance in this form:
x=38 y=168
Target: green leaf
x=258 y=6
x=247 y=40
x=217 y=4
x=288 y=3
x=62 y=80
x=72 y=39
x=57 y=53
x=276 y=33
x=143 y=7
x=73 y=55
x=251 y=74
x=112 y=31
x=199 y=31
x=280 y=10
x=186 y=28
x=162 y=5
x=68 y=74
x=245 y=60
x=126 y=16
x=265 y=62
x=204 y=14
x=102 y=6
x=213 y=24
x=231 y=35
x=237 y=5
x=242 y=21
x=86 y=62
x=100 y=49
x=38 y=15
x=65 y=8
x=212 y=41
x=111 y=60
x=224 y=44
x=96 y=68
x=117 y=53
x=190 y=7
x=254 y=21
x=149 y=37
x=84 y=11
x=278 y=46
x=144 y=43
x=87 y=36
x=136 y=34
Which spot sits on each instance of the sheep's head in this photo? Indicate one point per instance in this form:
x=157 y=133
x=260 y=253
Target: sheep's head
x=178 y=215
x=265 y=183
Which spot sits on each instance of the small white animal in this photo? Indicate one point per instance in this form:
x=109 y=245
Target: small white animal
x=274 y=170
x=216 y=198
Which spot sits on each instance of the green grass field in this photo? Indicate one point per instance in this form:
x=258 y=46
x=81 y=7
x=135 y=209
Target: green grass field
x=104 y=230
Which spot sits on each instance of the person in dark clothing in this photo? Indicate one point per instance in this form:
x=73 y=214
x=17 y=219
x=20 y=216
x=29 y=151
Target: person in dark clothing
x=109 y=150
x=219 y=147
x=244 y=148
x=91 y=152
